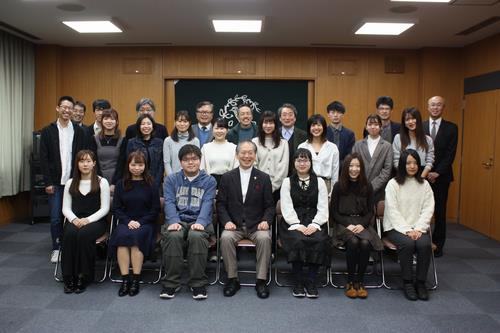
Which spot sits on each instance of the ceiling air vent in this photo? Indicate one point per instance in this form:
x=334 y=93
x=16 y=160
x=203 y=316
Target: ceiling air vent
x=479 y=26
x=474 y=2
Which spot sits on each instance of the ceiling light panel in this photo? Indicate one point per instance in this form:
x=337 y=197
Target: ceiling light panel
x=93 y=27
x=442 y=1
x=237 y=25
x=378 y=28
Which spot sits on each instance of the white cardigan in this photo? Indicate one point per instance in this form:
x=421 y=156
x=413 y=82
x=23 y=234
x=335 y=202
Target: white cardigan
x=409 y=206
x=273 y=161
x=85 y=189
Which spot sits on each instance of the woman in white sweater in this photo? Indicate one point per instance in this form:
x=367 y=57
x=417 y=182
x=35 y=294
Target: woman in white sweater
x=325 y=154
x=409 y=205
x=85 y=206
x=272 y=151
x=412 y=136
x=181 y=135
x=219 y=156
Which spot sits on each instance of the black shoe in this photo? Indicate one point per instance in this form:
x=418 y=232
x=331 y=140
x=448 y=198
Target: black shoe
x=311 y=290
x=262 y=289
x=134 y=286
x=298 y=290
x=69 y=285
x=125 y=287
x=81 y=285
x=199 y=293
x=422 y=292
x=410 y=292
x=231 y=287
x=168 y=292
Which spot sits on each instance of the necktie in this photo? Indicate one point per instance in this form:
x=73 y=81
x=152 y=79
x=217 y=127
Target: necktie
x=433 y=130
x=204 y=128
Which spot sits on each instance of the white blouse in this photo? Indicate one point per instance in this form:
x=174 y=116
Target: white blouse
x=326 y=163
x=288 y=211
x=84 y=189
x=218 y=158
x=409 y=206
x=273 y=161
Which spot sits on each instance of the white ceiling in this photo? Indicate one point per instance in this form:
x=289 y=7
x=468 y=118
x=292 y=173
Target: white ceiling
x=286 y=22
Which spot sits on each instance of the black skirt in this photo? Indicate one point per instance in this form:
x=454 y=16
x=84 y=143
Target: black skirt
x=312 y=249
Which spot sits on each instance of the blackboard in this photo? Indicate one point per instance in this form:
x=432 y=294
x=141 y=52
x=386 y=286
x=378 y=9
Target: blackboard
x=226 y=95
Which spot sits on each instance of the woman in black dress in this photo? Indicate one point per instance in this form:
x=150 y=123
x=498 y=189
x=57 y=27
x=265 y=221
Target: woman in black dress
x=85 y=206
x=136 y=204
x=352 y=209
x=304 y=205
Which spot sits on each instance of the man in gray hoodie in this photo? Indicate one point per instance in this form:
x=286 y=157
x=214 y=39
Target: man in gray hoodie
x=189 y=195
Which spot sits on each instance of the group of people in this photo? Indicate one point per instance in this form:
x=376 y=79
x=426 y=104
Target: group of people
x=317 y=178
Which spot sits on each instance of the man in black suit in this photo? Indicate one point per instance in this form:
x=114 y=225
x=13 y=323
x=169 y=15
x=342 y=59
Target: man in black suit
x=384 y=105
x=337 y=132
x=287 y=114
x=246 y=210
x=445 y=136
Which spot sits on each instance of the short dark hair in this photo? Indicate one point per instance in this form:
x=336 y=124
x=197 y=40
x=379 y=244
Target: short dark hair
x=203 y=103
x=80 y=104
x=187 y=150
x=101 y=104
x=138 y=124
x=144 y=101
x=289 y=106
x=373 y=118
x=221 y=122
x=385 y=100
x=65 y=98
x=316 y=119
x=335 y=106
x=244 y=105
x=402 y=174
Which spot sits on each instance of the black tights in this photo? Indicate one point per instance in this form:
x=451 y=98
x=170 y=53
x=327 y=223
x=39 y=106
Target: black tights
x=358 y=254
x=297 y=271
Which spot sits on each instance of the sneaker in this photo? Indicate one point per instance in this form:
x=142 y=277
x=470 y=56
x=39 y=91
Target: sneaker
x=199 y=293
x=311 y=290
x=54 y=256
x=298 y=290
x=168 y=293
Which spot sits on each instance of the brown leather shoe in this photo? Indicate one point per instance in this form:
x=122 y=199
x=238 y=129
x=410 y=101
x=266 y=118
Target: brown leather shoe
x=361 y=291
x=350 y=291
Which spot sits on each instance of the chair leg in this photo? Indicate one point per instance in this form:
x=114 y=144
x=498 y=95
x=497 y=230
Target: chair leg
x=57 y=268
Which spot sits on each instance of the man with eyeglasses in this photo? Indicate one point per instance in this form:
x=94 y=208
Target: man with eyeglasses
x=59 y=143
x=146 y=106
x=189 y=195
x=203 y=129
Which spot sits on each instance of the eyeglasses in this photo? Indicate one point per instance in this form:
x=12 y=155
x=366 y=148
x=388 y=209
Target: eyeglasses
x=192 y=159
x=205 y=113
x=65 y=107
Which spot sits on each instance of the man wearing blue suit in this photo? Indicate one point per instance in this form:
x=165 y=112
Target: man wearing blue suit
x=203 y=129
x=336 y=132
x=445 y=136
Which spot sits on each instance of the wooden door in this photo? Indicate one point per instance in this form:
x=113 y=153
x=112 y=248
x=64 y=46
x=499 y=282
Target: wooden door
x=478 y=161
x=495 y=206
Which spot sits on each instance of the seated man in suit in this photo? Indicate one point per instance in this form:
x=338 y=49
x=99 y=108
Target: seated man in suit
x=287 y=114
x=189 y=196
x=337 y=132
x=246 y=210
x=203 y=129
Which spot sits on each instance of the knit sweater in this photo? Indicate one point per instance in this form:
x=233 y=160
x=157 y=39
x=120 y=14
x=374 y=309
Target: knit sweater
x=273 y=161
x=218 y=158
x=409 y=206
x=171 y=152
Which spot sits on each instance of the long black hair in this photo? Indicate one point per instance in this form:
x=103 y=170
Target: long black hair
x=345 y=180
x=265 y=117
x=404 y=133
x=77 y=175
x=303 y=153
x=138 y=125
x=138 y=157
x=402 y=174
x=178 y=116
x=316 y=119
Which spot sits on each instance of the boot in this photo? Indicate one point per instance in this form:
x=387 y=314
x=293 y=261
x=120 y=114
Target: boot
x=124 y=288
x=134 y=287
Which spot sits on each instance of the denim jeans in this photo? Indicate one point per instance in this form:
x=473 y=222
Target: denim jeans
x=55 y=204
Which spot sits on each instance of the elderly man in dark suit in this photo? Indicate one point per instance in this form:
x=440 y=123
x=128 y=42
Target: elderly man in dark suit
x=246 y=210
x=445 y=136
x=287 y=114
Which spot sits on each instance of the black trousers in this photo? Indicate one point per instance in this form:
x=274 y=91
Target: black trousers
x=357 y=257
x=406 y=247
x=78 y=248
x=440 y=190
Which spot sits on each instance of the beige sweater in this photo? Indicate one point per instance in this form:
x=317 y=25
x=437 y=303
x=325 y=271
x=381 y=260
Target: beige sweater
x=273 y=161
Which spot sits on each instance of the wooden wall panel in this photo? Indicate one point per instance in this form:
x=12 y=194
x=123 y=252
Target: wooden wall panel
x=47 y=84
x=14 y=207
x=482 y=57
x=188 y=62
x=239 y=62
x=291 y=63
x=442 y=74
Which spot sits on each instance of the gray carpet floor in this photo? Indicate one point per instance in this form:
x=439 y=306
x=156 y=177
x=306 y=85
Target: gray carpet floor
x=467 y=300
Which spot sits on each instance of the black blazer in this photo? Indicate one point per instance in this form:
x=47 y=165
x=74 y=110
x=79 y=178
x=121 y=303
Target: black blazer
x=445 y=148
x=259 y=204
x=395 y=128
x=296 y=139
x=160 y=131
x=50 y=155
x=346 y=141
